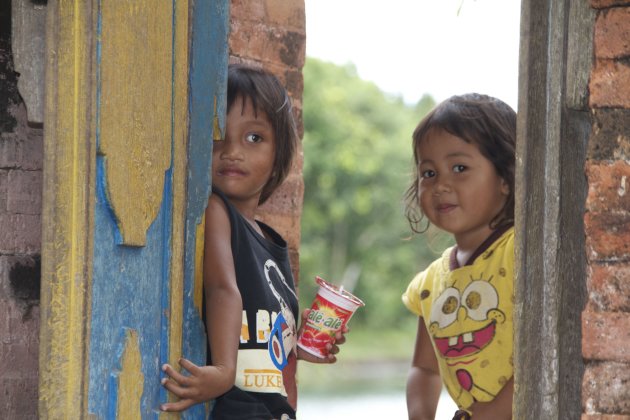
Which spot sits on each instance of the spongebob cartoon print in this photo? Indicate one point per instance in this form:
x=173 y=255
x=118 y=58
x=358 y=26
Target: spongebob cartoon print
x=468 y=311
x=462 y=324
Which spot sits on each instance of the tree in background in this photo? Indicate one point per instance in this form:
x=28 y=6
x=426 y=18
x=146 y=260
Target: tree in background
x=357 y=166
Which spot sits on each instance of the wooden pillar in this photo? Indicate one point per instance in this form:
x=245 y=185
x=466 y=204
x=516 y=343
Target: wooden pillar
x=553 y=126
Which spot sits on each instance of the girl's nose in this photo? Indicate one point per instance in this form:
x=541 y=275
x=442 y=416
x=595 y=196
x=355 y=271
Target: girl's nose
x=230 y=150
x=441 y=185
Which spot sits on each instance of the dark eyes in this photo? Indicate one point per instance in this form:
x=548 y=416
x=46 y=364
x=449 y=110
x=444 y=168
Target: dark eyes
x=253 y=138
x=429 y=173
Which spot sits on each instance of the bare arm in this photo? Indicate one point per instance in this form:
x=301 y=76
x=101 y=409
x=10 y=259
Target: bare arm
x=223 y=318
x=499 y=408
x=423 y=383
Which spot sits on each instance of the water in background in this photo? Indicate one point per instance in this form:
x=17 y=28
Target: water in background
x=359 y=390
x=365 y=406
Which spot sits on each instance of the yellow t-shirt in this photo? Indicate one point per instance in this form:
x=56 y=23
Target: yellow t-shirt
x=468 y=314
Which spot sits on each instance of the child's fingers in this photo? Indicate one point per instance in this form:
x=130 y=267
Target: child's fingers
x=340 y=338
x=180 y=405
x=189 y=366
x=175 y=375
x=176 y=388
x=305 y=313
x=332 y=349
x=331 y=358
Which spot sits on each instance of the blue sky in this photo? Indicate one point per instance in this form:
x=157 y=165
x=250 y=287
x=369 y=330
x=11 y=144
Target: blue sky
x=413 y=47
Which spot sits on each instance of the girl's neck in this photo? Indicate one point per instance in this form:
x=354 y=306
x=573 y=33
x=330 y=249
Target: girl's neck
x=468 y=244
x=462 y=257
x=248 y=212
x=247 y=208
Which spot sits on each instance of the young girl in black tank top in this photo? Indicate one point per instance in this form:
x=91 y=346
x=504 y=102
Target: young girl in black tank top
x=250 y=304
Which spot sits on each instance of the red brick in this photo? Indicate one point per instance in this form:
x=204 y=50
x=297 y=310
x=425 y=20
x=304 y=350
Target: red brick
x=4 y=177
x=605 y=336
x=19 y=353
x=601 y=4
x=277 y=13
x=612 y=33
x=607 y=236
x=608 y=186
x=609 y=287
x=610 y=135
x=610 y=85
x=247 y=10
x=32 y=153
x=605 y=388
x=9 y=151
x=23 y=149
x=20 y=233
x=268 y=45
x=287 y=199
x=290 y=15
x=24 y=192
x=18 y=398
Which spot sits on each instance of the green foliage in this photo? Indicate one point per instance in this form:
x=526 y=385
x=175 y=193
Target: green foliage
x=357 y=166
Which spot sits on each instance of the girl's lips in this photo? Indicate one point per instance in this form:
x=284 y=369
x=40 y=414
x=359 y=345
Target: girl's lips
x=230 y=172
x=445 y=208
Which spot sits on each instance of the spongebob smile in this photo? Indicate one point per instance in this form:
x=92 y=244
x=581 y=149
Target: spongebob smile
x=465 y=344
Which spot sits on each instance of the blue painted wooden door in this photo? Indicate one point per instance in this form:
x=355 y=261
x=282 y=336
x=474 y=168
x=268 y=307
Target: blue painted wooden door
x=136 y=96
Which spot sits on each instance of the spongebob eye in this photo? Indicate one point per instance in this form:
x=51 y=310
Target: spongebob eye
x=445 y=307
x=479 y=298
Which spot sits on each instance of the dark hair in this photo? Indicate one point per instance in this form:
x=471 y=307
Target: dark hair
x=487 y=122
x=269 y=96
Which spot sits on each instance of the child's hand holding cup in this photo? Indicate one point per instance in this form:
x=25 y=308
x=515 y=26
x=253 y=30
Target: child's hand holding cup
x=331 y=310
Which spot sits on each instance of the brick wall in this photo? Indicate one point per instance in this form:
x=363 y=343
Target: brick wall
x=271 y=34
x=20 y=236
x=606 y=318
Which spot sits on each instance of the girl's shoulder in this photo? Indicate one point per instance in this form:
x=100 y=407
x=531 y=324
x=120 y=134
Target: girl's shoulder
x=217 y=205
x=504 y=242
x=438 y=266
x=217 y=218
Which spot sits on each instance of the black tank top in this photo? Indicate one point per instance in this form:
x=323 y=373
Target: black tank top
x=265 y=379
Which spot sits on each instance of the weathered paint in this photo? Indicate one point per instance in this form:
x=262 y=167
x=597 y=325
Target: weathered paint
x=68 y=196
x=135 y=197
x=180 y=161
x=129 y=380
x=135 y=88
x=208 y=80
x=119 y=296
x=198 y=286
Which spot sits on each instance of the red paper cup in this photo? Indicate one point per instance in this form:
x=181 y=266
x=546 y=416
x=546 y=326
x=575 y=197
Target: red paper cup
x=331 y=310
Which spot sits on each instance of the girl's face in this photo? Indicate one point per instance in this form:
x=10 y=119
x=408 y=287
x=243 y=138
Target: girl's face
x=243 y=162
x=459 y=189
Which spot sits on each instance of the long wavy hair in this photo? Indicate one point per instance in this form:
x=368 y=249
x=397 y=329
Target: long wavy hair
x=482 y=120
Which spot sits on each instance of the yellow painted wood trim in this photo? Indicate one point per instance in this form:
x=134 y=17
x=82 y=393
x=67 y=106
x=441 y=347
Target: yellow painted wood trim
x=130 y=379
x=199 y=244
x=136 y=81
x=180 y=160
x=68 y=210
x=216 y=127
